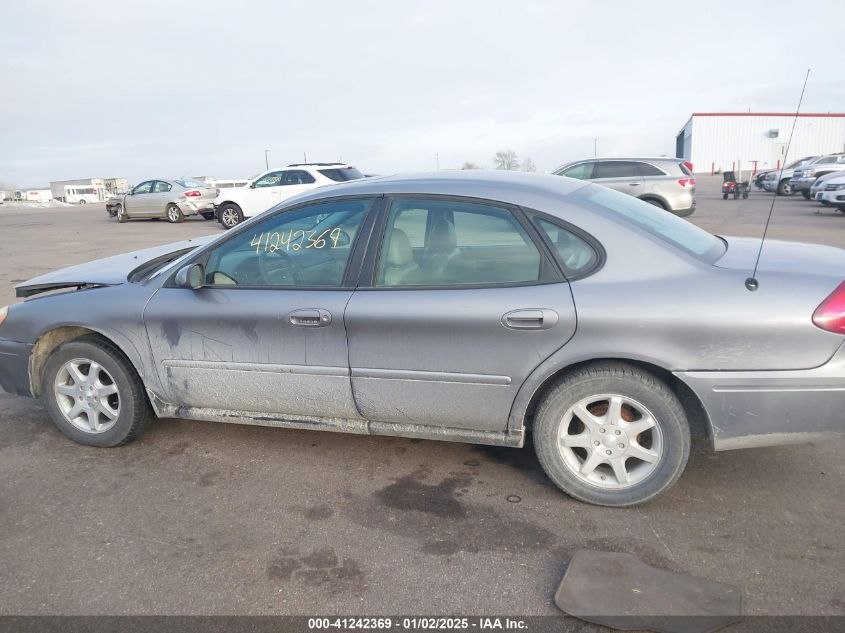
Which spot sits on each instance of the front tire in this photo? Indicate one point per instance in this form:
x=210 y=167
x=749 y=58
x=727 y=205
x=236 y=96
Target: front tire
x=230 y=215
x=93 y=393
x=784 y=188
x=612 y=434
x=806 y=195
x=121 y=214
x=174 y=214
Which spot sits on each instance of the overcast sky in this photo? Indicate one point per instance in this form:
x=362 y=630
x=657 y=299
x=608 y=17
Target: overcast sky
x=146 y=89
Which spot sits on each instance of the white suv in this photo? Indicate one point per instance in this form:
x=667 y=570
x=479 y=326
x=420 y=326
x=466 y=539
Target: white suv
x=275 y=185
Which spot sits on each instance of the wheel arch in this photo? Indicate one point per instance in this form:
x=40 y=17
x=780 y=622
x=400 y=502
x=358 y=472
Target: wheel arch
x=699 y=420
x=50 y=339
x=657 y=198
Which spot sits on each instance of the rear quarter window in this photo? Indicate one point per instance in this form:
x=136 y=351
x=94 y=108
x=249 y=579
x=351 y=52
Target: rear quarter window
x=647 y=169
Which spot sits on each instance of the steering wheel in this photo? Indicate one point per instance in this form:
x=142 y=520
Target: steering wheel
x=281 y=273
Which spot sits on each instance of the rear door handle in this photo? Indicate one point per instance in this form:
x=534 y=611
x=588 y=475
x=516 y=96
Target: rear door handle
x=310 y=317
x=530 y=319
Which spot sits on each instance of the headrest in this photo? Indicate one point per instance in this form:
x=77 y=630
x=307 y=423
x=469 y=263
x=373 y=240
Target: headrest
x=399 y=251
x=442 y=236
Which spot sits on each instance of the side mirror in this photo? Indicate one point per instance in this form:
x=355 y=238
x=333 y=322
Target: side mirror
x=252 y=185
x=191 y=276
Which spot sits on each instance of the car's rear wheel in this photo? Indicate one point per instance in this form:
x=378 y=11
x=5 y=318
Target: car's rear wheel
x=230 y=215
x=174 y=214
x=82 y=201
x=93 y=394
x=784 y=188
x=208 y=215
x=612 y=434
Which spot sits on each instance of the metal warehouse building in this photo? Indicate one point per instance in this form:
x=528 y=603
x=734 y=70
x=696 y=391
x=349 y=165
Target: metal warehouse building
x=718 y=141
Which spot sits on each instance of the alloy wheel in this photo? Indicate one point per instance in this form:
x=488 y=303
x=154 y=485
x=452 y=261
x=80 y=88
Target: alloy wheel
x=610 y=441
x=230 y=217
x=87 y=395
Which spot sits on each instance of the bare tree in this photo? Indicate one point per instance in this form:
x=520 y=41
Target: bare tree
x=506 y=159
x=528 y=165
x=469 y=165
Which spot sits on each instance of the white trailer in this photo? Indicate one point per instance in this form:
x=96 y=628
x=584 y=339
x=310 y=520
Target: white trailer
x=38 y=195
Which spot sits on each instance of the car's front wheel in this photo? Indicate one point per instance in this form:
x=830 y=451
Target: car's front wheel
x=230 y=215
x=121 y=214
x=93 y=394
x=612 y=434
x=784 y=188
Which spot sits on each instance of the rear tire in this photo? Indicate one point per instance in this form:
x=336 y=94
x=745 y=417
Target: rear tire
x=87 y=379
x=806 y=195
x=82 y=202
x=614 y=458
x=229 y=215
x=784 y=188
x=208 y=215
x=174 y=214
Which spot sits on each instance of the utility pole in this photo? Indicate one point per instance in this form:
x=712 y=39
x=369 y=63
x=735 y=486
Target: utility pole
x=595 y=148
x=266 y=160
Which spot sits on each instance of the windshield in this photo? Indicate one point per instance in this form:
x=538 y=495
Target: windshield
x=662 y=224
x=341 y=174
x=192 y=184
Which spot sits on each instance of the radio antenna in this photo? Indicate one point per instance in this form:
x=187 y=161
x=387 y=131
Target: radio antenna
x=751 y=283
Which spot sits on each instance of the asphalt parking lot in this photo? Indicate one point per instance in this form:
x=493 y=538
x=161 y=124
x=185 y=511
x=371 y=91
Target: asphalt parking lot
x=203 y=518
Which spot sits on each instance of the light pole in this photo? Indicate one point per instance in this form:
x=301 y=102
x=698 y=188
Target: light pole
x=595 y=147
x=266 y=160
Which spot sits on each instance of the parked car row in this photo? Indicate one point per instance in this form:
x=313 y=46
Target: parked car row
x=230 y=203
x=667 y=183
x=801 y=175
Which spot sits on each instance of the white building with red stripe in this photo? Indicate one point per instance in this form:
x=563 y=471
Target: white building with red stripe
x=721 y=141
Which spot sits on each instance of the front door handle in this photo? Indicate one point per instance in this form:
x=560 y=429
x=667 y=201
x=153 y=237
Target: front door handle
x=310 y=317
x=634 y=184
x=530 y=319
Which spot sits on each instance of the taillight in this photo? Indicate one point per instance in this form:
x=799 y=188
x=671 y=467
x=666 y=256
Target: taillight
x=687 y=183
x=192 y=194
x=830 y=315
x=688 y=165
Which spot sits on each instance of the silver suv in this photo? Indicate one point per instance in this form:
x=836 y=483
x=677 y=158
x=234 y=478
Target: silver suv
x=664 y=182
x=804 y=176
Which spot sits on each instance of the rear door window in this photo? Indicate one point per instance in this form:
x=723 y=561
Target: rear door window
x=455 y=243
x=297 y=177
x=161 y=187
x=615 y=169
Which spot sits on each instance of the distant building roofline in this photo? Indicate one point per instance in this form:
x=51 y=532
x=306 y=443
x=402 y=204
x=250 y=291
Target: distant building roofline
x=800 y=114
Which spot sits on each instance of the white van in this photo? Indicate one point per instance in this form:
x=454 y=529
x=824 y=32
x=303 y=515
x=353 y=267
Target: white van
x=83 y=194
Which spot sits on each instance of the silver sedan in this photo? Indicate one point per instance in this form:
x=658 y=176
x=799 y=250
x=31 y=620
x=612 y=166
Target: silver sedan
x=170 y=199
x=475 y=307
